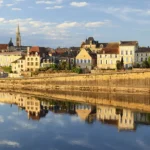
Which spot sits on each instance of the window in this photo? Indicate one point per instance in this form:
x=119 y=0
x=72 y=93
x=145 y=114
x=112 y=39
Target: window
x=146 y=54
x=89 y=61
x=36 y=59
x=106 y=61
x=28 y=64
x=100 y=56
x=81 y=60
x=36 y=63
x=84 y=60
x=146 y=59
x=141 y=54
x=137 y=54
x=126 y=52
x=31 y=59
x=31 y=63
x=121 y=52
x=101 y=62
x=77 y=61
x=28 y=59
x=141 y=59
x=126 y=59
x=110 y=56
x=116 y=56
x=130 y=52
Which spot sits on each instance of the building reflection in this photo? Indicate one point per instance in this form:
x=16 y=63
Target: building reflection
x=36 y=108
x=123 y=119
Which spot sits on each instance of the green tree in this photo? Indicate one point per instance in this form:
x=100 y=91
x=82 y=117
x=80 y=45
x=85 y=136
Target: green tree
x=149 y=61
x=122 y=63
x=118 y=65
x=145 y=64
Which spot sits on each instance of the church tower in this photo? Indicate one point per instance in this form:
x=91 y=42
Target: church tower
x=18 y=37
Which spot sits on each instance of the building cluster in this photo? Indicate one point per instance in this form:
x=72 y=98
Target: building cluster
x=89 y=56
x=105 y=55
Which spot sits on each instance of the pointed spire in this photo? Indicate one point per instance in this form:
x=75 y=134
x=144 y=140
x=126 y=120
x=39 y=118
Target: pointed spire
x=18 y=29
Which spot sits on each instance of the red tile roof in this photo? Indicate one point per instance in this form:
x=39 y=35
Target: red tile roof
x=3 y=46
x=111 y=48
x=34 y=49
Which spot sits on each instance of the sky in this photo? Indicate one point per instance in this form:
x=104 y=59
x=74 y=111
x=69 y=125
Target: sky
x=65 y=23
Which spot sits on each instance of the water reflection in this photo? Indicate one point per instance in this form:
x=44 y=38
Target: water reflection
x=37 y=108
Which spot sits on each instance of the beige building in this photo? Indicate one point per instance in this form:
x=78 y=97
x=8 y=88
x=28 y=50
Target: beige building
x=86 y=59
x=18 y=66
x=32 y=60
x=127 y=51
x=142 y=54
x=107 y=58
x=6 y=58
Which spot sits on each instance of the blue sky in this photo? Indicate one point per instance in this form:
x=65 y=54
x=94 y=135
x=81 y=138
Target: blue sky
x=67 y=23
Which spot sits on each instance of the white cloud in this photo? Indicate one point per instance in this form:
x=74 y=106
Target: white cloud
x=9 y=143
x=67 y=25
x=54 y=7
x=9 y=5
x=79 y=4
x=96 y=24
x=16 y=9
x=48 y=2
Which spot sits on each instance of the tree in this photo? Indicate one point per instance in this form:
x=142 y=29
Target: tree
x=145 y=64
x=118 y=65
x=149 y=61
x=122 y=63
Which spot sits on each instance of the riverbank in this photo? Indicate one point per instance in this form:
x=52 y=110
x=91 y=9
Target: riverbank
x=134 y=82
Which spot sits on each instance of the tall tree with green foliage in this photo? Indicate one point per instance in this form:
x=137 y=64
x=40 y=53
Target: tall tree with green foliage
x=122 y=63
x=118 y=65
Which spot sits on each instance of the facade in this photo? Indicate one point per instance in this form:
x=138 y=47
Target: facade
x=86 y=59
x=18 y=66
x=32 y=60
x=107 y=58
x=18 y=37
x=127 y=51
x=6 y=58
x=142 y=54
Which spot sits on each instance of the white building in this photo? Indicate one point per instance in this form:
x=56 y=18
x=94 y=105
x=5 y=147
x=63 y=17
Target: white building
x=142 y=54
x=127 y=51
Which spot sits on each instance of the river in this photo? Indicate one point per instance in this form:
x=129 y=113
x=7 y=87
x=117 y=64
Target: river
x=36 y=123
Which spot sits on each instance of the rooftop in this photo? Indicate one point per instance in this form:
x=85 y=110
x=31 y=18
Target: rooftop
x=128 y=43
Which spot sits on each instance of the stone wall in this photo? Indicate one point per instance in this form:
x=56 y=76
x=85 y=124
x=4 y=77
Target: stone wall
x=121 y=82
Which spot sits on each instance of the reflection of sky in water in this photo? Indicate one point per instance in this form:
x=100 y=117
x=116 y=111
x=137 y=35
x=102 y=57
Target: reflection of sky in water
x=65 y=132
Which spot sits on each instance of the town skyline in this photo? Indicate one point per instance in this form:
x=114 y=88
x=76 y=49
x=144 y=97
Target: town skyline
x=67 y=23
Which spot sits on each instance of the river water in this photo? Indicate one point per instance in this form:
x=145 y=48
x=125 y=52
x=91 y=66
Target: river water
x=32 y=123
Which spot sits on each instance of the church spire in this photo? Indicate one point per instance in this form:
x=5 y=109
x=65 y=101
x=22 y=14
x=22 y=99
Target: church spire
x=18 y=29
x=18 y=37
